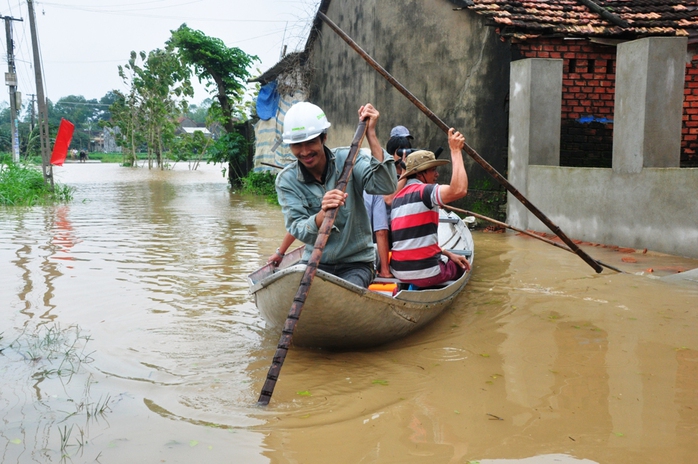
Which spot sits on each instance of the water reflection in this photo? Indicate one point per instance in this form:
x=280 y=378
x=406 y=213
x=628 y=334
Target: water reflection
x=540 y=360
x=33 y=256
x=154 y=265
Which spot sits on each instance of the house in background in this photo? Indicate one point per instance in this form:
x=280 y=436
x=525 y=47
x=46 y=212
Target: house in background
x=457 y=56
x=109 y=136
x=191 y=130
x=189 y=126
x=285 y=84
x=585 y=34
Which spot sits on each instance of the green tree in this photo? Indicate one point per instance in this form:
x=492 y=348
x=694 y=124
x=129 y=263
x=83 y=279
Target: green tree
x=75 y=108
x=5 y=136
x=225 y=71
x=125 y=122
x=103 y=113
x=199 y=113
x=159 y=85
x=191 y=148
x=79 y=111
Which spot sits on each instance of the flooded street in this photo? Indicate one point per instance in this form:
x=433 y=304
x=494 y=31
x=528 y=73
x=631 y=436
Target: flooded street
x=128 y=336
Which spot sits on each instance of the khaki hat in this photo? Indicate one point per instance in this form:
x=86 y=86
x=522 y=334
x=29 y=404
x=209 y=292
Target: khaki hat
x=421 y=161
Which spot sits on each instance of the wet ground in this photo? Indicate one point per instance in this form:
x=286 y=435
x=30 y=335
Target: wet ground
x=128 y=336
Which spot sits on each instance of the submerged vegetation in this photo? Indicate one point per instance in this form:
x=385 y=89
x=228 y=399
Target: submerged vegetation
x=53 y=351
x=259 y=183
x=55 y=357
x=23 y=185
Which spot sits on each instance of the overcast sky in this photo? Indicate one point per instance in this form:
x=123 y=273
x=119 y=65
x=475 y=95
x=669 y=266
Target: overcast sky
x=83 y=41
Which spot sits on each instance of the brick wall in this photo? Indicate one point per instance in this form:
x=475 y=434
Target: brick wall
x=588 y=86
x=689 y=131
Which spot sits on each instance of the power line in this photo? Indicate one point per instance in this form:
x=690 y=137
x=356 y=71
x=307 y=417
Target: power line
x=92 y=9
x=69 y=103
x=135 y=9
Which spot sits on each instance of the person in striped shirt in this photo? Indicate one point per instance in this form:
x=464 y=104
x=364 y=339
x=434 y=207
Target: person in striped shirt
x=416 y=255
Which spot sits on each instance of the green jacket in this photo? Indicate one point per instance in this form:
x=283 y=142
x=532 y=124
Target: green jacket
x=351 y=238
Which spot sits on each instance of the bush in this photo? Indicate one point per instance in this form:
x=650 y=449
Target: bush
x=22 y=185
x=106 y=157
x=259 y=183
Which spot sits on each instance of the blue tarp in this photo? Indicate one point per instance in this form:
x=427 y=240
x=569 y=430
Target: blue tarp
x=267 y=101
x=590 y=118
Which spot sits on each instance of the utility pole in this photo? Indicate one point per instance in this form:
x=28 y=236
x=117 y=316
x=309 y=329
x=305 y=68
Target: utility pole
x=41 y=100
x=31 y=111
x=11 y=81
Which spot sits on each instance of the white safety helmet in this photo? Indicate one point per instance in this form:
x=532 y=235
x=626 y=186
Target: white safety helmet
x=304 y=121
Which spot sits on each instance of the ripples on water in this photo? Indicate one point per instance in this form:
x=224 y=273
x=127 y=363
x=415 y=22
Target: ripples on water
x=134 y=296
x=152 y=266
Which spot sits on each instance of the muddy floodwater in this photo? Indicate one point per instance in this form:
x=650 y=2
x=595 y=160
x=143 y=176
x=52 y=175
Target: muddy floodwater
x=128 y=336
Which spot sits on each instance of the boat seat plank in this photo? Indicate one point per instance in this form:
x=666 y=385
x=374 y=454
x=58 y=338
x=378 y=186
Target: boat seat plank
x=466 y=253
x=386 y=280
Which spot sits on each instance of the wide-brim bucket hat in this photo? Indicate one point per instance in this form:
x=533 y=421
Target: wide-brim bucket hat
x=421 y=161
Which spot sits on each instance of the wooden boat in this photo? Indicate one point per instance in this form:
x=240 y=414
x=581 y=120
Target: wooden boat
x=341 y=315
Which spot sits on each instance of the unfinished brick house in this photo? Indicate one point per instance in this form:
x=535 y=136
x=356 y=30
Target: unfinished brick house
x=584 y=33
x=456 y=56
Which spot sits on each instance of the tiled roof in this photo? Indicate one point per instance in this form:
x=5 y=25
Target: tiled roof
x=523 y=19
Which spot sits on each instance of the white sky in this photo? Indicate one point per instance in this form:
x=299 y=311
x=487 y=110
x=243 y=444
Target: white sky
x=83 y=41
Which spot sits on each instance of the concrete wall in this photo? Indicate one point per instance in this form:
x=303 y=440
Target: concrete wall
x=655 y=209
x=448 y=59
x=534 y=113
x=630 y=205
x=649 y=99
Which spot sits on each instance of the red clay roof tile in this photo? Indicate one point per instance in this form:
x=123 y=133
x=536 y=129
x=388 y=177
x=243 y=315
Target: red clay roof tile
x=523 y=19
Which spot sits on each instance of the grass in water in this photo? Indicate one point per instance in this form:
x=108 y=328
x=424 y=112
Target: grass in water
x=55 y=359
x=23 y=185
x=259 y=183
x=55 y=352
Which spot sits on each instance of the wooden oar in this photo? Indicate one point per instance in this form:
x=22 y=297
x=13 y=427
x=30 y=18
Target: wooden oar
x=525 y=232
x=310 y=271
x=473 y=154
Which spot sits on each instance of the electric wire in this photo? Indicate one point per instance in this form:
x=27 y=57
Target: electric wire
x=23 y=54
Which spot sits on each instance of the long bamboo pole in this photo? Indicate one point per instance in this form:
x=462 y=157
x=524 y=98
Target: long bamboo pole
x=473 y=154
x=311 y=269
x=530 y=234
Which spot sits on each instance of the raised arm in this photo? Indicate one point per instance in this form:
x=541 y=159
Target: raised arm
x=458 y=187
x=368 y=111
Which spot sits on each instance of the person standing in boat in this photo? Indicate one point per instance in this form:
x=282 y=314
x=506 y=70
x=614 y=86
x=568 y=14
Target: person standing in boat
x=417 y=257
x=306 y=190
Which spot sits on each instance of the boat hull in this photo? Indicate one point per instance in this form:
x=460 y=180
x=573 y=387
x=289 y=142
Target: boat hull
x=340 y=315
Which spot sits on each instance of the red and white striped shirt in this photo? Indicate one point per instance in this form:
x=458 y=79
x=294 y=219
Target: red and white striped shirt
x=414 y=222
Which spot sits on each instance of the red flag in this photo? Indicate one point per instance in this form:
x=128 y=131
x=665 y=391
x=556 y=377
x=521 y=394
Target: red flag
x=60 y=148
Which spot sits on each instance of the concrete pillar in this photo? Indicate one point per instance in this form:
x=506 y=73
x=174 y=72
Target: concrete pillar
x=648 y=104
x=535 y=106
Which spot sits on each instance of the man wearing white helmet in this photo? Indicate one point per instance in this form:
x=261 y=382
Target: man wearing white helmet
x=306 y=190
